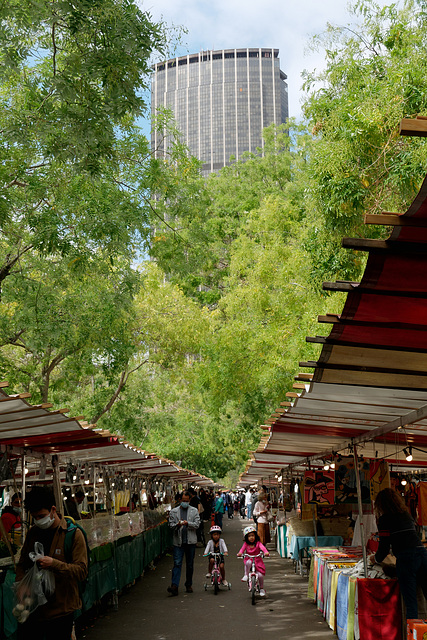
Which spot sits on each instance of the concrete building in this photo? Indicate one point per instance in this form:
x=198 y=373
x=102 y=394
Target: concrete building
x=221 y=101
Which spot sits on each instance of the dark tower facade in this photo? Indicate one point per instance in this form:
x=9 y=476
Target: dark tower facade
x=221 y=100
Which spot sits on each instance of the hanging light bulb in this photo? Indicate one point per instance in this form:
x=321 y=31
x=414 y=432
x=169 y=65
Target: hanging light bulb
x=332 y=465
x=403 y=482
x=408 y=454
x=326 y=467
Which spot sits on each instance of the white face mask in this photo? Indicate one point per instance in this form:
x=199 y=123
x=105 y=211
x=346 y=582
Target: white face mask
x=17 y=510
x=45 y=523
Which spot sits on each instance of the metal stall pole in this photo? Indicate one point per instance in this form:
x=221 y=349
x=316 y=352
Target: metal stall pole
x=359 y=502
x=59 y=503
x=23 y=489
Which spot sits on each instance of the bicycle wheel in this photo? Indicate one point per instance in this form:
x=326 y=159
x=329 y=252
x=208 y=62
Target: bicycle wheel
x=216 y=583
x=253 y=588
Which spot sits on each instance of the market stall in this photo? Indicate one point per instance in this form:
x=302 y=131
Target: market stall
x=367 y=398
x=126 y=494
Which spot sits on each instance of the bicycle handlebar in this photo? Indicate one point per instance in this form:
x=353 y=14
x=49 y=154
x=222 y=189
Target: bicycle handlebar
x=247 y=555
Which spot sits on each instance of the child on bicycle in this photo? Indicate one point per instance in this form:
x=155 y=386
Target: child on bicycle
x=252 y=547
x=216 y=545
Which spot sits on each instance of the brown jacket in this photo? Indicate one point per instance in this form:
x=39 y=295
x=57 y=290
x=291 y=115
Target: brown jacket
x=66 y=597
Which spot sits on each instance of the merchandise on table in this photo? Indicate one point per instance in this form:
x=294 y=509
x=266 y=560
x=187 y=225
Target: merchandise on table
x=353 y=606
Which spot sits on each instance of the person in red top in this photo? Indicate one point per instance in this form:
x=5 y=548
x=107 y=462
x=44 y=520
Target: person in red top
x=11 y=515
x=252 y=547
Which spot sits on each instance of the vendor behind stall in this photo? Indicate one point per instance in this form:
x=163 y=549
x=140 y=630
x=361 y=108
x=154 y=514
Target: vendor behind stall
x=396 y=529
x=72 y=504
x=11 y=516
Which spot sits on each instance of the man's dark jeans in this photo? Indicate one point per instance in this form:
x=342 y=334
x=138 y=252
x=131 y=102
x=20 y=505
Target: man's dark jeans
x=55 y=629
x=218 y=519
x=187 y=550
x=411 y=566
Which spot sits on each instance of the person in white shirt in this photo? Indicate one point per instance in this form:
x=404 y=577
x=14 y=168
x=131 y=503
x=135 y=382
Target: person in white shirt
x=248 y=498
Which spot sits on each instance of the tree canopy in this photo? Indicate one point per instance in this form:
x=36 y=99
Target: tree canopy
x=187 y=353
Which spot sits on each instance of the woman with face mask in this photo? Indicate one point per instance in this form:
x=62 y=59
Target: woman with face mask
x=11 y=518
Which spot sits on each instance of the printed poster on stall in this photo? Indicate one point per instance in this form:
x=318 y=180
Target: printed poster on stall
x=319 y=487
x=380 y=477
x=345 y=481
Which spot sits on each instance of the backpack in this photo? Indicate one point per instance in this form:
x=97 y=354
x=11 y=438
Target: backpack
x=72 y=527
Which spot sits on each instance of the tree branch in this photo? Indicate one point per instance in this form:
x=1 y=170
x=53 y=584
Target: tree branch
x=123 y=379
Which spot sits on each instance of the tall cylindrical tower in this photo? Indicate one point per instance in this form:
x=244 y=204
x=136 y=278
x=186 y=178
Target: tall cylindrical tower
x=221 y=101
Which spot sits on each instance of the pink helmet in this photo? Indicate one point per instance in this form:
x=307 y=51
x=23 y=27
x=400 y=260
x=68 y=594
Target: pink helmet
x=215 y=528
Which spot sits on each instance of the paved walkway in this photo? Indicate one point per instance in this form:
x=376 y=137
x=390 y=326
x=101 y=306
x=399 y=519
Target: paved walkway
x=147 y=612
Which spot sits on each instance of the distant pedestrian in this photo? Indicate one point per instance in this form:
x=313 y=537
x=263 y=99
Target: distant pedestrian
x=248 y=504
x=219 y=510
x=263 y=515
x=184 y=520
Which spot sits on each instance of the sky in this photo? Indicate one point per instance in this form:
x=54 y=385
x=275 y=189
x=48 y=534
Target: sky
x=287 y=25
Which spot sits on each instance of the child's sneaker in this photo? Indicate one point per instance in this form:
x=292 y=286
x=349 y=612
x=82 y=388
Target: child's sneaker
x=224 y=583
x=208 y=575
x=245 y=578
x=262 y=593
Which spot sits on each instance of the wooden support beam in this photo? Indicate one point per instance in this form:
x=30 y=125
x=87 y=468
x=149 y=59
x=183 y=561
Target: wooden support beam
x=413 y=127
x=340 y=286
x=348 y=287
x=395 y=220
x=316 y=339
x=298 y=385
x=392 y=246
x=304 y=376
x=286 y=404
x=3 y=384
x=292 y=394
x=330 y=318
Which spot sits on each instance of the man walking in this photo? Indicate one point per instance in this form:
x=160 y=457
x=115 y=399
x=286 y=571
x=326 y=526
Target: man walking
x=184 y=520
x=54 y=619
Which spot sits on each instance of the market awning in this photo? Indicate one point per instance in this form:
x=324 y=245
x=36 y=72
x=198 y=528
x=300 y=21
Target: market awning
x=370 y=381
x=41 y=432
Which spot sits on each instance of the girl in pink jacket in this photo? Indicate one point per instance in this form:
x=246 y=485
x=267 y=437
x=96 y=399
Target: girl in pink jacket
x=252 y=547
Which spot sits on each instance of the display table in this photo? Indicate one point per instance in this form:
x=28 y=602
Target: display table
x=300 y=543
x=354 y=607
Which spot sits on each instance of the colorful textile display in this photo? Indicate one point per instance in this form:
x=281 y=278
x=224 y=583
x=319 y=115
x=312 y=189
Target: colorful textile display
x=422 y=503
x=342 y=606
x=355 y=608
x=380 y=477
x=345 y=481
x=379 y=610
x=319 y=487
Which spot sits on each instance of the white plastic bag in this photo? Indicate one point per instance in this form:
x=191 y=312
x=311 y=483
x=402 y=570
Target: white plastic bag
x=34 y=588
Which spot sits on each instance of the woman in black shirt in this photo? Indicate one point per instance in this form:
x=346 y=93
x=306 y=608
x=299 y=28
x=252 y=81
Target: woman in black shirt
x=396 y=529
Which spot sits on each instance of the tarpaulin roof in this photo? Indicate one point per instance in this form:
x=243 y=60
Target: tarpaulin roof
x=38 y=431
x=370 y=381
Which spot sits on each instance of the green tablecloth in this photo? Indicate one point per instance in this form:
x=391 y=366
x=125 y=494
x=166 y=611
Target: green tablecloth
x=113 y=566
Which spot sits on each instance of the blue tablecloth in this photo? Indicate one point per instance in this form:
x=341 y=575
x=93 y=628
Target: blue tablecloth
x=298 y=543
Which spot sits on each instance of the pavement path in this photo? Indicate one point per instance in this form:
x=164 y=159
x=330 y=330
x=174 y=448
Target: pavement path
x=146 y=611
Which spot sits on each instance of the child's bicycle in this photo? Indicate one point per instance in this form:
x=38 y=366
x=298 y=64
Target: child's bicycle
x=253 y=580
x=216 y=573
